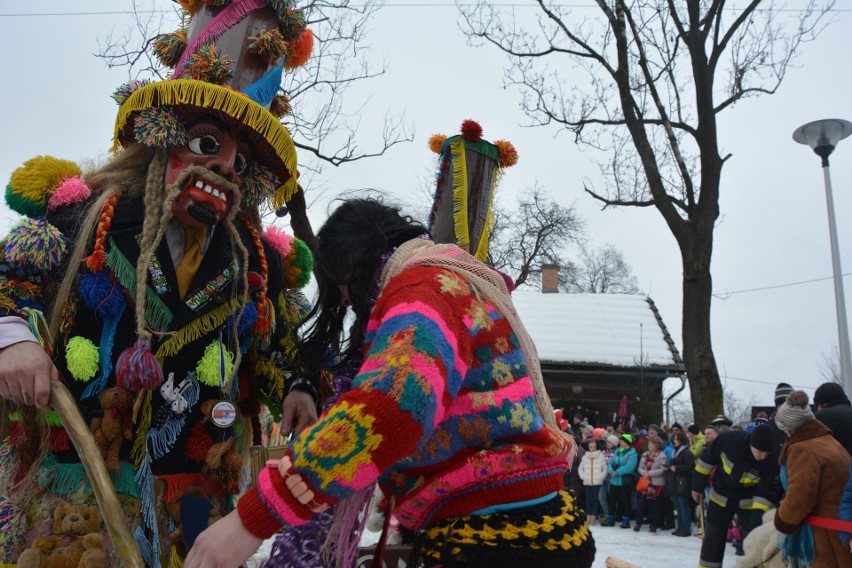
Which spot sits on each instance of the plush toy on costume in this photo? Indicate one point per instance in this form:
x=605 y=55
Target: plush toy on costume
x=76 y=541
x=115 y=426
x=216 y=447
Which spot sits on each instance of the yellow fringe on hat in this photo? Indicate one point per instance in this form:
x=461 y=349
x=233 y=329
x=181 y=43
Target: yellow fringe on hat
x=178 y=92
x=196 y=328
x=460 y=193
x=482 y=245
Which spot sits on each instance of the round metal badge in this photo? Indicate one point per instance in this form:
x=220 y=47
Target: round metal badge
x=223 y=414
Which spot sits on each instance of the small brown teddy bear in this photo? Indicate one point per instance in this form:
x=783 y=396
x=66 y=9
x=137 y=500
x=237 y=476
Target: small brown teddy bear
x=217 y=447
x=116 y=425
x=76 y=541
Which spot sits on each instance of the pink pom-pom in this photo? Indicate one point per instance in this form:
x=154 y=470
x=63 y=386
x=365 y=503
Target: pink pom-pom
x=70 y=190
x=279 y=240
x=471 y=130
x=138 y=369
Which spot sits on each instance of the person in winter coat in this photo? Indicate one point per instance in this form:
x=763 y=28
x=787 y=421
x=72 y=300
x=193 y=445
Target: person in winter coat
x=845 y=512
x=622 y=473
x=652 y=465
x=814 y=472
x=604 y=496
x=696 y=440
x=835 y=411
x=742 y=482
x=682 y=464
x=592 y=472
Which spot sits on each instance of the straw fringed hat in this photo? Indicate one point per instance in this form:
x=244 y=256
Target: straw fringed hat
x=229 y=64
x=469 y=171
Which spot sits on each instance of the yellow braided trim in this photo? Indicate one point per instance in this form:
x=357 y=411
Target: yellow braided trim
x=196 y=328
x=491 y=536
x=175 y=92
x=460 y=193
x=482 y=245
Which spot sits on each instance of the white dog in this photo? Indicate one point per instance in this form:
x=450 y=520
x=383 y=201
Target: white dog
x=761 y=546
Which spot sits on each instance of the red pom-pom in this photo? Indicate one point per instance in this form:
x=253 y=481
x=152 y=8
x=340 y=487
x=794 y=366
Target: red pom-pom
x=198 y=443
x=96 y=261
x=138 y=369
x=471 y=131
x=255 y=280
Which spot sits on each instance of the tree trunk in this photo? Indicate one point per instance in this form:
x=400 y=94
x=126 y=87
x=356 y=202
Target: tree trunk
x=704 y=384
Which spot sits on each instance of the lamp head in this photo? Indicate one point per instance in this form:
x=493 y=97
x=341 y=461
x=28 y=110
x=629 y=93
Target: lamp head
x=823 y=135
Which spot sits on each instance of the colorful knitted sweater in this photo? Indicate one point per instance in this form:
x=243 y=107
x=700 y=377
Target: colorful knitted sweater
x=442 y=413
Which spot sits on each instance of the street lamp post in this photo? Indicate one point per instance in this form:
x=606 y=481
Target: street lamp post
x=822 y=136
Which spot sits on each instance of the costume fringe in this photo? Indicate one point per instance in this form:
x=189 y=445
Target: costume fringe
x=142 y=422
x=264 y=89
x=142 y=543
x=196 y=328
x=94 y=388
x=276 y=377
x=49 y=418
x=67 y=478
x=156 y=313
x=39 y=328
x=482 y=245
x=175 y=561
x=223 y=21
x=145 y=481
x=460 y=193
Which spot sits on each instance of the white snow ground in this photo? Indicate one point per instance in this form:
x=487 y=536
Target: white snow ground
x=646 y=550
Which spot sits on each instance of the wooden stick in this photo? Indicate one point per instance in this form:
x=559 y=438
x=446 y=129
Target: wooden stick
x=122 y=541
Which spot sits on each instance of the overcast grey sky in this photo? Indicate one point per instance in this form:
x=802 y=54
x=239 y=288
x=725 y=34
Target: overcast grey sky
x=773 y=227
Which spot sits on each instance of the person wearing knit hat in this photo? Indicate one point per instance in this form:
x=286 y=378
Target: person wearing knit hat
x=696 y=440
x=781 y=393
x=150 y=287
x=834 y=410
x=745 y=485
x=613 y=440
x=622 y=472
x=815 y=470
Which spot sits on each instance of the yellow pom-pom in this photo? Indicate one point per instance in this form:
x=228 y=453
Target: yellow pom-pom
x=82 y=358
x=436 y=142
x=507 y=154
x=208 y=370
x=39 y=176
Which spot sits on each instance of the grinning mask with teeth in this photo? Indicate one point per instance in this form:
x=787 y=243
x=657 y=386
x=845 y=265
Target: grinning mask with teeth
x=217 y=162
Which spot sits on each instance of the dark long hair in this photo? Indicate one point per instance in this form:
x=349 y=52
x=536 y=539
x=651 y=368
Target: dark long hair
x=350 y=248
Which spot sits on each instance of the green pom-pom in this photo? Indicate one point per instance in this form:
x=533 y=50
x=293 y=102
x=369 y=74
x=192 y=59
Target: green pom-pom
x=82 y=358
x=208 y=369
x=300 y=263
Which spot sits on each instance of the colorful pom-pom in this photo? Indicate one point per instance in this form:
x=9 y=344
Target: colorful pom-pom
x=123 y=92
x=471 y=130
x=169 y=47
x=258 y=184
x=300 y=50
x=137 y=368
x=436 y=142
x=246 y=321
x=190 y=5
x=37 y=243
x=69 y=191
x=280 y=106
x=300 y=263
x=82 y=358
x=198 y=443
x=13 y=519
x=269 y=45
x=159 y=127
x=209 y=65
x=279 y=240
x=507 y=154
x=30 y=185
x=102 y=293
x=291 y=20
x=208 y=369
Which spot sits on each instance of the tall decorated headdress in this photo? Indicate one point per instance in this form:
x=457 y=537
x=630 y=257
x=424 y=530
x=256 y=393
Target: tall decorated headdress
x=228 y=62
x=469 y=171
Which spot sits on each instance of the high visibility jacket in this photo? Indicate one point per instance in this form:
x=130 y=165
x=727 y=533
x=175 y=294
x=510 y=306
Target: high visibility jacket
x=740 y=481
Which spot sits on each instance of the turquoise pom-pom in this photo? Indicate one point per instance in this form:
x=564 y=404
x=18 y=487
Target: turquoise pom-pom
x=37 y=243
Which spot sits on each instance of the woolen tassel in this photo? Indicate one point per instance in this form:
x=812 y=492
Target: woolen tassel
x=102 y=293
x=14 y=522
x=137 y=368
x=265 y=323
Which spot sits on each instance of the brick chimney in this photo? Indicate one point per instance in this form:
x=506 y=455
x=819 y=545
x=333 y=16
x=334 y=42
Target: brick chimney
x=549 y=278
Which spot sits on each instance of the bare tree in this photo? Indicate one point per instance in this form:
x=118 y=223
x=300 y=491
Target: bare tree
x=829 y=366
x=600 y=271
x=737 y=409
x=533 y=231
x=657 y=75
x=324 y=121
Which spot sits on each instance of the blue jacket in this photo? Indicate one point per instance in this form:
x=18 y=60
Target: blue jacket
x=845 y=512
x=623 y=462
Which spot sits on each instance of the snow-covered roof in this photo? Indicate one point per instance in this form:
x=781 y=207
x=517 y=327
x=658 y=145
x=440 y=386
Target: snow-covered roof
x=623 y=330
